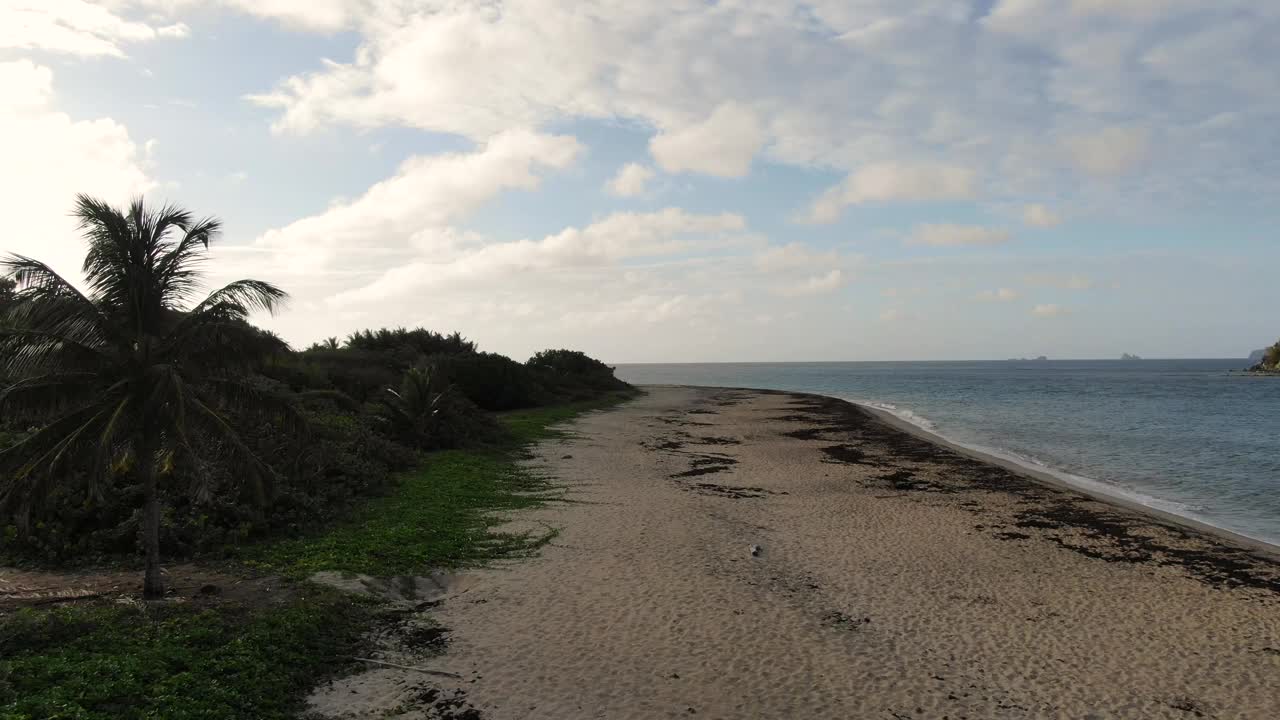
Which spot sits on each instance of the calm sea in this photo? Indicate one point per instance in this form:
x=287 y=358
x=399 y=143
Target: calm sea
x=1186 y=436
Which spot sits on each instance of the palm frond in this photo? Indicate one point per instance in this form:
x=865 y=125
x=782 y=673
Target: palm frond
x=21 y=487
x=207 y=344
x=252 y=402
x=178 y=270
x=111 y=440
x=48 y=393
x=248 y=295
x=254 y=470
x=112 y=254
x=22 y=351
x=48 y=301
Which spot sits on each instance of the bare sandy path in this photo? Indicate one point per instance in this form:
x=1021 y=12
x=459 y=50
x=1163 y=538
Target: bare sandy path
x=896 y=580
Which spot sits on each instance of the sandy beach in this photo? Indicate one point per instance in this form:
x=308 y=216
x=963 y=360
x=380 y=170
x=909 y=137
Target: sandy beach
x=894 y=578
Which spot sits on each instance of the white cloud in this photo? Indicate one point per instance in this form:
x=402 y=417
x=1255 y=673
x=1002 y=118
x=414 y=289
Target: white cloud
x=75 y=27
x=1039 y=215
x=896 y=315
x=176 y=30
x=887 y=182
x=48 y=158
x=325 y=16
x=826 y=84
x=617 y=237
x=1001 y=295
x=794 y=256
x=815 y=285
x=722 y=145
x=630 y=180
x=1138 y=9
x=1049 y=310
x=426 y=192
x=1088 y=105
x=1111 y=151
x=903 y=292
x=1061 y=282
x=945 y=235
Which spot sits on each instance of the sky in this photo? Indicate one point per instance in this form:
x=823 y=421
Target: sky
x=682 y=180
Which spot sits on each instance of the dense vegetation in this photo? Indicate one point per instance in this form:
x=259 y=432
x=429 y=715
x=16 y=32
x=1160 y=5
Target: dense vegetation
x=1270 y=360
x=175 y=661
x=258 y=657
x=126 y=382
x=134 y=393
x=136 y=420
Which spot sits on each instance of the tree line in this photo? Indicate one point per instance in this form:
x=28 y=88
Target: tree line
x=139 y=414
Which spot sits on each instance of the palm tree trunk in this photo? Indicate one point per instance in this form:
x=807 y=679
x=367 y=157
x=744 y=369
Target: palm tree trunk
x=152 y=581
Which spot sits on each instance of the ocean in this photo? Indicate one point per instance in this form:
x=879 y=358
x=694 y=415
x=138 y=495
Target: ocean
x=1192 y=437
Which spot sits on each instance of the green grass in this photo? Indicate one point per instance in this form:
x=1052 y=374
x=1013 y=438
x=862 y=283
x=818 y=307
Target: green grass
x=175 y=661
x=440 y=515
x=529 y=426
x=231 y=661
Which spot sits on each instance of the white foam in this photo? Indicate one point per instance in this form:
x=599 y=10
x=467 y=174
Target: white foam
x=1089 y=484
x=919 y=421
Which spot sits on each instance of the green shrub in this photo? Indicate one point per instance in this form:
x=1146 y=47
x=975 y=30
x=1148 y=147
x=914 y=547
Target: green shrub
x=573 y=375
x=409 y=343
x=428 y=412
x=491 y=381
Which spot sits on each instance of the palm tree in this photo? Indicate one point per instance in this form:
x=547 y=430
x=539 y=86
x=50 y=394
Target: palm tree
x=124 y=376
x=412 y=409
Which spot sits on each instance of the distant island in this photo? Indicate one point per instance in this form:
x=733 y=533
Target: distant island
x=1129 y=356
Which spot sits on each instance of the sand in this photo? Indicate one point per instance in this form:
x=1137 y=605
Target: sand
x=895 y=579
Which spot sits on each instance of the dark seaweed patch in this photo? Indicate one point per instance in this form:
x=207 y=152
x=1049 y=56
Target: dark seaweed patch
x=839 y=620
x=425 y=638
x=682 y=422
x=728 y=491
x=848 y=455
x=706 y=464
x=713 y=440
x=705 y=470
x=1106 y=532
x=446 y=704
x=809 y=433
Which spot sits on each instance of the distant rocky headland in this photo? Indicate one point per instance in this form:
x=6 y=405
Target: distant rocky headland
x=1266 y=360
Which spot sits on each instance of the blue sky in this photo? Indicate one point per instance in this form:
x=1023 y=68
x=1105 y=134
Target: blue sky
x=688 y=180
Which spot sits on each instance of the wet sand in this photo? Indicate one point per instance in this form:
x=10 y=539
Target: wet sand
x=896 y=578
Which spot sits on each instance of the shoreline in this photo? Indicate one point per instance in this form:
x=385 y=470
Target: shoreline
x=1044 y=476
x=1058 y=483
x=737 y=553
